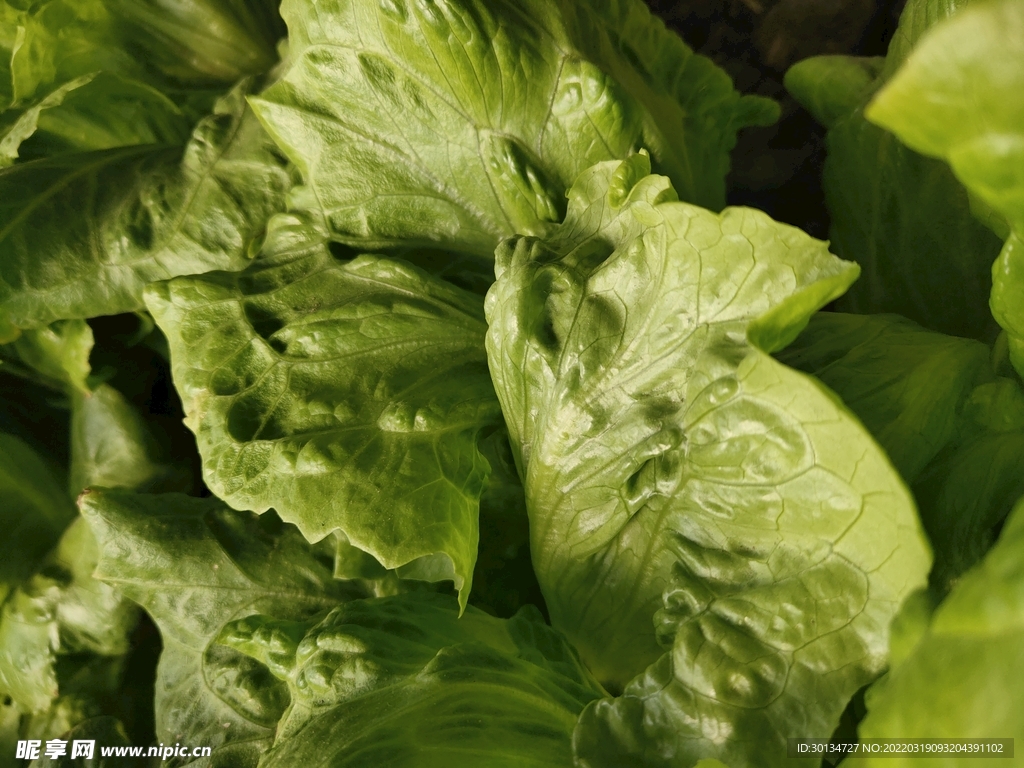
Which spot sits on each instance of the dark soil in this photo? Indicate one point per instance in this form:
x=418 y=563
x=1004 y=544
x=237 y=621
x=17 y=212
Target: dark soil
x=778 y=169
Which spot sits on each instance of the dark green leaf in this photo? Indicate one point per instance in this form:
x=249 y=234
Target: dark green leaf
x=405 y=681
x=195 y=565
x=82 y=234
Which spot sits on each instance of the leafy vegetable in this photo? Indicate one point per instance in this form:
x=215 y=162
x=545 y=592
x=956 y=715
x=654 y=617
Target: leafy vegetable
x=953 y=429
x=196 y=565
x=975 y=631
x=687 y=512
x=460 y=122
x=955 y=99
x=358 y=676
x=343 y=395
x=903 y=217
x=151 y=213
x=425 y=404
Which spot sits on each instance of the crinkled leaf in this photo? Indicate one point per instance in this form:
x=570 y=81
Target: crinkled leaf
x=405 y=681
x=460 y=122
x=82 y=234
x=52 y=42
x=903 y=217
x=346 y=395
x=91 y=616
x=956 y=681
x=27 y=647
x=696 y=507
x=60 y=609
x=195 y=565
x=957 y=98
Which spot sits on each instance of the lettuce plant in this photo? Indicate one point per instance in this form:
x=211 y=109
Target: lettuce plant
x=508 y=443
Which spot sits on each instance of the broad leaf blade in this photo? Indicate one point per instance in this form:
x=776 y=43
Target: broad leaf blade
x=955 y=432
x=954 y=681
x=903 y=217
x=907 y=385
x=967 y=492
x=458 y=123
x=347 y=396
x=682 y=485
x=82 y=234
x=957 y=98
x=432 y=688
x=908 y=222
x=195 y=565
x=92 y=112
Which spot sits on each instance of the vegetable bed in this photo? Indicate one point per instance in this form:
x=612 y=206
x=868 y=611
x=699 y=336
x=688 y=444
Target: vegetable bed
x=417 y=383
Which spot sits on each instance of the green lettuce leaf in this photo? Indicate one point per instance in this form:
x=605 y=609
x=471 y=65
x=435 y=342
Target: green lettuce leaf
x=201 y=41
x=903 y=217
x=87 y=689
x=906 y=384
x=966 y=493
x=112 y=446
x=33 y=515
x=346 y=395
x=52 y=42
x=831 y=87
x=404 y=681
x=168 y=43
x=61 y=609
x=195 y=565
x=83 y=233
x=953 y=429
x=58 y=353
x=697 y=509
x=952 y=677
x=458 y=123
x=56 y=608
x=93 y=112
x=957 y=98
